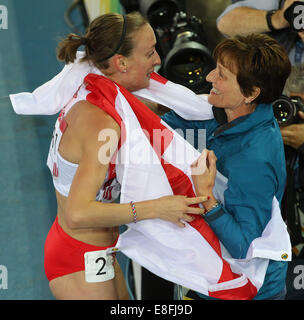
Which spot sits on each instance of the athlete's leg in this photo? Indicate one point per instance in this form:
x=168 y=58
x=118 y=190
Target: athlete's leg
x=74 y=287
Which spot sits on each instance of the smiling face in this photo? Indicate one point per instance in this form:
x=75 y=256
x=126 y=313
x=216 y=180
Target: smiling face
x=225 y=92
x=250 y=70
x=140 y=64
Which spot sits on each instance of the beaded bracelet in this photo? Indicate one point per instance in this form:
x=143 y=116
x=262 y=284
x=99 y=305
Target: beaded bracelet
x=133 y=211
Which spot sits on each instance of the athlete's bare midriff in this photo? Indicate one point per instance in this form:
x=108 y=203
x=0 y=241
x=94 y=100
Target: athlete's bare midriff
x=95 y=236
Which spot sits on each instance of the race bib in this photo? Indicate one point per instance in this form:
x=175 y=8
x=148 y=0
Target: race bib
x=98 y=266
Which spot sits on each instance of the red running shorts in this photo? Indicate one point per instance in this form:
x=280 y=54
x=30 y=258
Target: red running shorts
x=63 y=254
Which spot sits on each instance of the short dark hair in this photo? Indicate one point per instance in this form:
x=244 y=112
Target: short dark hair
x=102 y=38
x=258 y=61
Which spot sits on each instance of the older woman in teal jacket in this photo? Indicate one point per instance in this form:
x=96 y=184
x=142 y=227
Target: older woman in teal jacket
x=246 y=146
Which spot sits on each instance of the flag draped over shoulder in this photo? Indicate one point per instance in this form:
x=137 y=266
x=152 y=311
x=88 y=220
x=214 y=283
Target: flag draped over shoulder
x=154 y=161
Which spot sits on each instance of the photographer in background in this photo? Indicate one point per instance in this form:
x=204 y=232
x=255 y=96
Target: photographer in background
x=271 y=16
x=277 y=18
x=293 y=200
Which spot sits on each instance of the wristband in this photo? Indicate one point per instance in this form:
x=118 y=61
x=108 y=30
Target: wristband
x=133 y=211
x=269 y=14
x=216 y=205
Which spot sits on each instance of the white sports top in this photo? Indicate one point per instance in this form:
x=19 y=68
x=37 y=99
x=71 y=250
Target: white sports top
x=64 y=171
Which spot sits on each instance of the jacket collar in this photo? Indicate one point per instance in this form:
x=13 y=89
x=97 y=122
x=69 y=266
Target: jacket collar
x=262 y=114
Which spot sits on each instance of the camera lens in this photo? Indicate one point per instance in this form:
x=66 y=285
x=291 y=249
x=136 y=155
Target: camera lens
x=188 y=64
x=181 y=44
x=283 y=110
x=159 y=13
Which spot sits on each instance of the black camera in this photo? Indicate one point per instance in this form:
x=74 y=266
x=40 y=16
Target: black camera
x=186 y=60
x=181 y=43
x=294 y=14
x=286 y=109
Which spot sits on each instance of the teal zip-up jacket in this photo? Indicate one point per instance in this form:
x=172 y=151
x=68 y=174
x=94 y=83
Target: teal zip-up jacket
x=250 y=154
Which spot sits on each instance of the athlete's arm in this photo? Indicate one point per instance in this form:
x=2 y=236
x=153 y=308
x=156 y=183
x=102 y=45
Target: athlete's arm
x=83 y=211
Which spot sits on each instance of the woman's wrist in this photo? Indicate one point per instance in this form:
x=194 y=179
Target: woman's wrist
x=210 y=202
x=146 y=210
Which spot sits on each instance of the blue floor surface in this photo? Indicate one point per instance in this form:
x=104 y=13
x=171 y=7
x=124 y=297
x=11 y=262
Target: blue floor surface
x=27 y=199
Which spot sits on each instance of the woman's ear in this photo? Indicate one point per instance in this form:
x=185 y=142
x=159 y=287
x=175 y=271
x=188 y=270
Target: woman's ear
x=120 y=63
x=256 y=92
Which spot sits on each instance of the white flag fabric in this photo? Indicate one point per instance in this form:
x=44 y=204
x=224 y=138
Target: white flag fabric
x=154 y=161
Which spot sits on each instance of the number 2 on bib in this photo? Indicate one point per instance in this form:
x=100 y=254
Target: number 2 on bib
x=98 y=266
